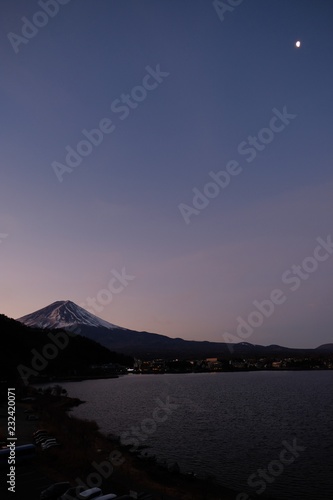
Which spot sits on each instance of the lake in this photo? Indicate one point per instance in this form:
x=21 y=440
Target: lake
x=229 y=425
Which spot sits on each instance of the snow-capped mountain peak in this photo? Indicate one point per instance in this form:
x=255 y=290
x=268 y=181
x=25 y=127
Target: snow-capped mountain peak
x=63 y=314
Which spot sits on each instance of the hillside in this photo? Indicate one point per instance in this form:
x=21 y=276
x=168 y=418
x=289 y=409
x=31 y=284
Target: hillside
x=22 y=345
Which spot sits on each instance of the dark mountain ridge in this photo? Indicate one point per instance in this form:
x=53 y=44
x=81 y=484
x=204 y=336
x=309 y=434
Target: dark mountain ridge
x=146 y=345
x=26 y=347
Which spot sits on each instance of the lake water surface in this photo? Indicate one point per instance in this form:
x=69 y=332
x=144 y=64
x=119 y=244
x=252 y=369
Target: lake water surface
x=225 y=424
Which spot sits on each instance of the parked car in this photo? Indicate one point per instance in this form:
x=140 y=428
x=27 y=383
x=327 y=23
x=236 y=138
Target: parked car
x=23 y=453
x=54 y=491
x=89 y=494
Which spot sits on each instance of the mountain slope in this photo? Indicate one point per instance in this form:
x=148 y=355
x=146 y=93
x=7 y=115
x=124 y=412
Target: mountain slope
x=325 y=348
x=63 y=314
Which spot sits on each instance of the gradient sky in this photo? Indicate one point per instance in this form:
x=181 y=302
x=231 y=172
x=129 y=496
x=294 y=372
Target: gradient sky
x=120 y=206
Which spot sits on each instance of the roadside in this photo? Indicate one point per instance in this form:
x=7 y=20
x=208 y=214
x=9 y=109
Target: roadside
x=30 y=480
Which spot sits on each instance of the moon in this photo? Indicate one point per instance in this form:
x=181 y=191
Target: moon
x=298 y=44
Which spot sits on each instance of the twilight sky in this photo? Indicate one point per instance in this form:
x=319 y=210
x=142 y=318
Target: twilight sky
x=179 y=92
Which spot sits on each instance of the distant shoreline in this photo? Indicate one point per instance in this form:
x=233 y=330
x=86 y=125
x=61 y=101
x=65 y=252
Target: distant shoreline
x=82 y=378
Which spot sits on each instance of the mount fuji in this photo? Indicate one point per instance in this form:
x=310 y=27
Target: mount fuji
x=64 y=314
